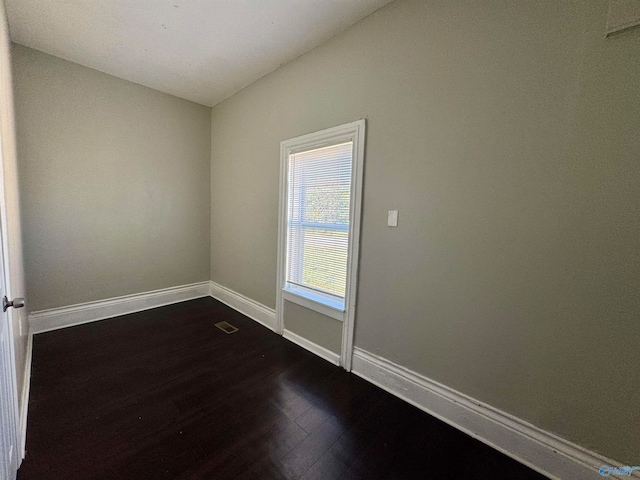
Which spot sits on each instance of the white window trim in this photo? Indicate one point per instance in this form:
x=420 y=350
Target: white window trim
x=354 y=132
x=308 y=300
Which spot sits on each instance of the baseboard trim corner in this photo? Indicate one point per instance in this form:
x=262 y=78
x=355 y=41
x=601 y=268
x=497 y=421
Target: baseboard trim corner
x=55 y=318
x=320 y=351
x=542 y=451
x=252 y=309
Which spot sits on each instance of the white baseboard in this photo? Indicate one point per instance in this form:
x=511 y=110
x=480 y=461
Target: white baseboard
x=252 y=309
x=24 y=403
x=322 y=352
x=52 y=319
x=544 y=452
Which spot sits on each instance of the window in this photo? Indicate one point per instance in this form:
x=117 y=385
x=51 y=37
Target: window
x=318 y=200
x=319 y=218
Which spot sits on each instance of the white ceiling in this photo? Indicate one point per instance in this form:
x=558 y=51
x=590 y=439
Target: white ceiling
x=201 y=50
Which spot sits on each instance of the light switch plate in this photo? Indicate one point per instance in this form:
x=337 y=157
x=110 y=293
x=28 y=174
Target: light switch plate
x=392 y=219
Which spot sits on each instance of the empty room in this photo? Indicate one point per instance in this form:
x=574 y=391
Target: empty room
x=311 y=239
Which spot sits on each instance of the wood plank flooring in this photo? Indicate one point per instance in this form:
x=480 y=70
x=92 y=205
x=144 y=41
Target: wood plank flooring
x=164 y=394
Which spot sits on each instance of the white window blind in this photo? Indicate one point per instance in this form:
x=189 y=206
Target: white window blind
x=319 y=195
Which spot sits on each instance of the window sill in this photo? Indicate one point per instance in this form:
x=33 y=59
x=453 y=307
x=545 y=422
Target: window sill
x=317 y=303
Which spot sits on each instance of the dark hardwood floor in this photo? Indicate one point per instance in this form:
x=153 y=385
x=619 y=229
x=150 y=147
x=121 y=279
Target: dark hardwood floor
x=163 y=394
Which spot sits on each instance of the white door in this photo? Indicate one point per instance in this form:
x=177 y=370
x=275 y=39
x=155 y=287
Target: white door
x=8 y=393
x=10 y=457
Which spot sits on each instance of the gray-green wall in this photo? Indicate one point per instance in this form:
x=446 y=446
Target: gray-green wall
x=320 y=329
x=114 y=181
x=506 y=134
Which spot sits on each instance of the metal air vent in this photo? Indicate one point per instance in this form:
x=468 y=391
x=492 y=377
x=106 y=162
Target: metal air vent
x=226 y=327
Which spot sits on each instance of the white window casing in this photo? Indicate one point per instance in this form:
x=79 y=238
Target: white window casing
x=319 y=224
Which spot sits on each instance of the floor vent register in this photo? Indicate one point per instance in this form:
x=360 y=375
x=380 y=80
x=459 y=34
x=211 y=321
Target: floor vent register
x=226 y=327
